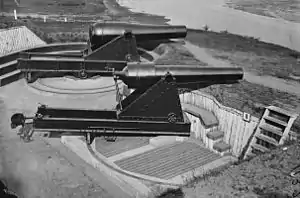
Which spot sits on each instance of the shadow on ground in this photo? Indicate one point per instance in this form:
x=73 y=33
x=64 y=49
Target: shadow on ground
x=172 y=194
x=4 y=192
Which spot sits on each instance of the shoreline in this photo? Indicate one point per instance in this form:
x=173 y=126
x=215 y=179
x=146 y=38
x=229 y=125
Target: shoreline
x=162 y=12
x=219 y=18
x=113 y=11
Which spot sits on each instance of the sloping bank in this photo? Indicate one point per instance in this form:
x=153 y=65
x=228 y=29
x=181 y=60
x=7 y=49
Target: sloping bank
x=197 y=13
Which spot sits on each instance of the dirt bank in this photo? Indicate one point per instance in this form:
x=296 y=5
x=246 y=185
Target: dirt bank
x=203 y=54
x=264 y=176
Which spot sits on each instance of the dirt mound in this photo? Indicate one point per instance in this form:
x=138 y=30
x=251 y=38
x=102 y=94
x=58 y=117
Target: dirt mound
x=267 y=175
x=176 y=54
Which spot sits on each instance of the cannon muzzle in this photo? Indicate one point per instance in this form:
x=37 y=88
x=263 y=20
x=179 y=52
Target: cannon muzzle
x=101 y=33
x=140 y=75
x=17 y=119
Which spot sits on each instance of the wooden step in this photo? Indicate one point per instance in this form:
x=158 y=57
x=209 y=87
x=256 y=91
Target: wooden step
x=260 y=148
x=208 y=119
x=221 y=146
x=267 y=139
x=8 y=67
x=271 y=129
x=251 y=155
x=214 y=135
x=10 y=77
x=276 y=121
x=282 y=111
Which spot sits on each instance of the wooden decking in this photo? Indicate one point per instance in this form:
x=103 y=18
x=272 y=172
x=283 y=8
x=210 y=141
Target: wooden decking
x=121 y=145
x=168 y=161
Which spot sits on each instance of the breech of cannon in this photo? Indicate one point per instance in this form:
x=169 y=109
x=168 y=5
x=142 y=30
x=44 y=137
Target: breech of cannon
x=101 y=33
x=140 y=75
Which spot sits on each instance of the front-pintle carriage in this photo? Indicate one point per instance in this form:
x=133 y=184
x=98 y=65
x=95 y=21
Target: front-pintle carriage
x=152 y=109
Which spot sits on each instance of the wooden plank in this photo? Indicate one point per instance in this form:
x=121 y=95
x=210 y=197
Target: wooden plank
x=276 y=121
x=267 y=139
x=282 y=111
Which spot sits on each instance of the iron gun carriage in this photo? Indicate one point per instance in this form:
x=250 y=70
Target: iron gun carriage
x=109 y=48
x=152 y=109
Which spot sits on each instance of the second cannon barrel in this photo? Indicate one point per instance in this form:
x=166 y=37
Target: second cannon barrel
x=139 y=75
x=101 y=33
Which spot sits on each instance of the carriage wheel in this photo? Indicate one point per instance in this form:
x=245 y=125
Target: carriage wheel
x=172 y=118
x=82 y=74
x=112 y=138
x=28 y=76
x=90 y=138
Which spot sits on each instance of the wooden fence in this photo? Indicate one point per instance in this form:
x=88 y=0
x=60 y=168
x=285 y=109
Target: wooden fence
x=236 y=130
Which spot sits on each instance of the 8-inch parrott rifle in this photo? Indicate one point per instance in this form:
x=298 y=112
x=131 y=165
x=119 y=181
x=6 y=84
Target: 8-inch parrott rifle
x=152 y=109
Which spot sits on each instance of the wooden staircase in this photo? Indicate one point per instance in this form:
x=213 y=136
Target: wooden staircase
x=214 y=138
x=217 y=144
x=272 y=130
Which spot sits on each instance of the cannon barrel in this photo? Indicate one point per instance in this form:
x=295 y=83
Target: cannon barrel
x=141 y=75
x=101 y=33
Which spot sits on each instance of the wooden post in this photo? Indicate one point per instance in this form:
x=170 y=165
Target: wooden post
x=1 y=5
x=15 y=14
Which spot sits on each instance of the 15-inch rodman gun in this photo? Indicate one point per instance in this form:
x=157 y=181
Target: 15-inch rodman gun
x=152 y=109
x=109 y=48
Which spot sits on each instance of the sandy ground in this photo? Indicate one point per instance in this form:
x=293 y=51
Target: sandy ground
x=197 y=13
x=44 y=167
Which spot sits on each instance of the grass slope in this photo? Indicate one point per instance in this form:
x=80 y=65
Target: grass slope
x=77 y=7
x=250 y=53
x=264 y=176
x=285 y=9
x=254 y=56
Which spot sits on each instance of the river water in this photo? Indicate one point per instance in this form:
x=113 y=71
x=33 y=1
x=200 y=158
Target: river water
x=217 y=16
